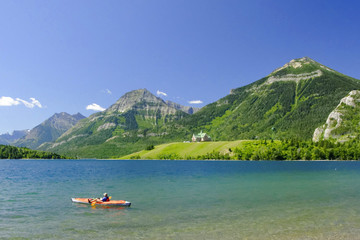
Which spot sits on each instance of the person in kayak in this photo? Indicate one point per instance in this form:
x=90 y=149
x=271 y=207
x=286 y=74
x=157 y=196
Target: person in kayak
x=103 y=199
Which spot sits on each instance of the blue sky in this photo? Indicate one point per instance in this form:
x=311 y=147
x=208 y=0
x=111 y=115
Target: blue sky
x=64 y=55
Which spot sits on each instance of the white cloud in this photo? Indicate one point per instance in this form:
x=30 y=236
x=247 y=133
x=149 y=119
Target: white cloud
x=195 y=102
x=95 y=107
x=161 y=93
x=9 y=101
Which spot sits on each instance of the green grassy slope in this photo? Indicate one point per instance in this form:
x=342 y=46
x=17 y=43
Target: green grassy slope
x=184 y=150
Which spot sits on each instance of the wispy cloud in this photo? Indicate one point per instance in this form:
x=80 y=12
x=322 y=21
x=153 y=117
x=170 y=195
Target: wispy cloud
x=161 y=93
x=33 y=103
x=195 y=102
x=9 y=101
x=107 y=91
x=95 y=107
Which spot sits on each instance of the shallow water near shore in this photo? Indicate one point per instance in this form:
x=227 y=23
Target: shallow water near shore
x=180 y=199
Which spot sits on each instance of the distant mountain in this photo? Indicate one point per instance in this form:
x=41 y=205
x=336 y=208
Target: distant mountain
x=49 y=130
x=125 y=126
x=290 y=102
x=8 y=139
x=343 y=122
x=189 y=110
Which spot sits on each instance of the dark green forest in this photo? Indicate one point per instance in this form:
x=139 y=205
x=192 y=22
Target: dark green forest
x=10 y=152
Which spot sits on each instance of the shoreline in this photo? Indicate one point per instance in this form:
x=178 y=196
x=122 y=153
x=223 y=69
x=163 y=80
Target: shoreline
x=192 y=160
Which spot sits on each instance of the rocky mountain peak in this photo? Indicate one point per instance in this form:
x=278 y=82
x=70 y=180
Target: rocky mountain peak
x=133 y=98
x=296 y=63
x=298 y=69
x=303 y=60
x=62 y=119
x=78 y=116
x=142 y=99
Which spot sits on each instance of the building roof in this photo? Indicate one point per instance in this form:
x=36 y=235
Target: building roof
x=201 y=135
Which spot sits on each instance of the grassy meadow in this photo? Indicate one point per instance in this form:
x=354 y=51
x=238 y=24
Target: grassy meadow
x=186 y=150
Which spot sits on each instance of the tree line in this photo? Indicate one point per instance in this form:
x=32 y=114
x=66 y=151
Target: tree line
x=10 y=152
x=299 y=150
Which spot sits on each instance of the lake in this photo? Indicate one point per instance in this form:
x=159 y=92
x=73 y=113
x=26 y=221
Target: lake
x=180 y=199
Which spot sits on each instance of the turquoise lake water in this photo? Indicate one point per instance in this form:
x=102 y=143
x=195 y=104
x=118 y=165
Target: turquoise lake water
x=180 y=199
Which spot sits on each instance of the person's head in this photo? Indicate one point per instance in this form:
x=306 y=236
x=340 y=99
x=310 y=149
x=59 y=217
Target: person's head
x=105 y=194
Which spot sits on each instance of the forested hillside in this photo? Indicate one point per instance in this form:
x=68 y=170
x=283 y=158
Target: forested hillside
x=289 y=103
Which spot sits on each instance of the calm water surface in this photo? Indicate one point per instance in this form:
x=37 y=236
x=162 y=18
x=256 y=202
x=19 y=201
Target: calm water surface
x=180 y=199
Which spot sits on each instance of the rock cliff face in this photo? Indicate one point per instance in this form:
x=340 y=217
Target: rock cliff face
x=294 y=77
x=343 y=122
x=49 y=130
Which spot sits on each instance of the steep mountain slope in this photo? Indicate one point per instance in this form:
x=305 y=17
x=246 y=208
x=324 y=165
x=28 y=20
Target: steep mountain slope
x=138 y=118
x=343 y=122
x=8 y=139
x=288 y=103
x=49 y=130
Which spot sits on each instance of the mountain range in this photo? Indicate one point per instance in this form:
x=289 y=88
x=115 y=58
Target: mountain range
x=11 y=138
x=291 y=102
